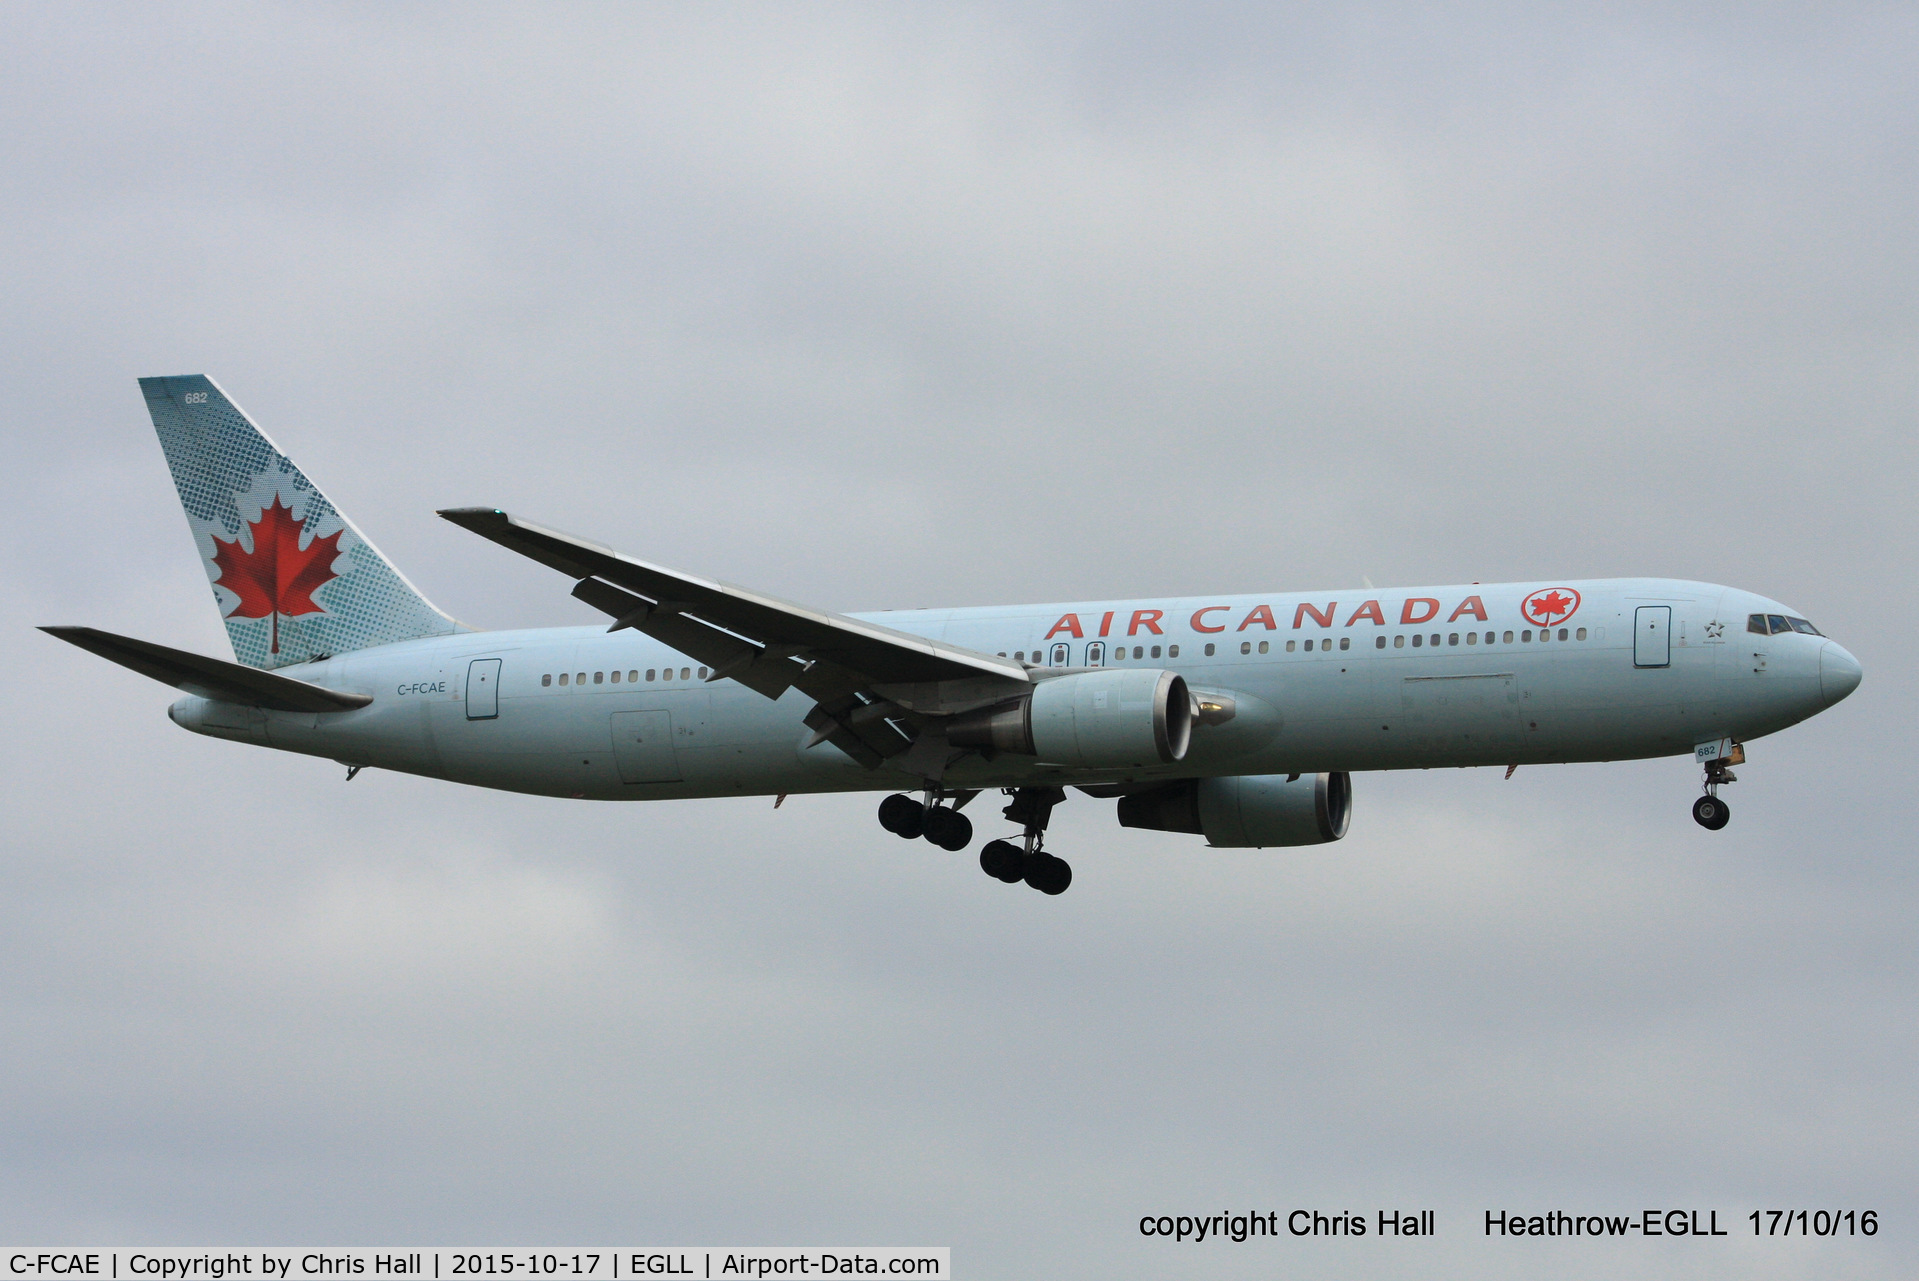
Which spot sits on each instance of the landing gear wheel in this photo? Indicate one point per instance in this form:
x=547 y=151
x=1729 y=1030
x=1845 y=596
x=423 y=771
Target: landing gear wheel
x=948 y=829
x=1711 y=813
x=1047 y=874
x=1003 y=861
x=903 y=816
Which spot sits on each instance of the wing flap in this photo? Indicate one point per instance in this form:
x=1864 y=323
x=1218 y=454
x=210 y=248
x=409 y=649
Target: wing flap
x=209 y=677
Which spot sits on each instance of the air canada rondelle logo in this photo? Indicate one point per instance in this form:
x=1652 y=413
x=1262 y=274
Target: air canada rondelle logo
x=1550 y=605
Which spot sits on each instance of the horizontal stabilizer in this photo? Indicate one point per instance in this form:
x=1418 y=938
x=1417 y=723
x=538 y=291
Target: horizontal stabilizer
x=210 y=677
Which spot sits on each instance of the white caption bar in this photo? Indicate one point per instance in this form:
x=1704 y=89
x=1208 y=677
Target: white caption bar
x=602 y=1263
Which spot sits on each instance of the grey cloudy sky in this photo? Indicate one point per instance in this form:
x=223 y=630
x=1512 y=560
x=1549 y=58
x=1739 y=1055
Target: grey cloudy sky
x=891 y=305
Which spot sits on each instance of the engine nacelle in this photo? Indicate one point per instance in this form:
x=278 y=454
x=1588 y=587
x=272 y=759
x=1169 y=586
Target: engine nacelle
x=1247 y=811
x=1111 y=719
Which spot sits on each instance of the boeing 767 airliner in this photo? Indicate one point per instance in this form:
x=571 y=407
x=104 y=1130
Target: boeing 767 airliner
x=1237 y=718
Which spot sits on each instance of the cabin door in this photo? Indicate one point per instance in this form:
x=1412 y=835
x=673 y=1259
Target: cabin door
x=1652 y=636
x=483 y=689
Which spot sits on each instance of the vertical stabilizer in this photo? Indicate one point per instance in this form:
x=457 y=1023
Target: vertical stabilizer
x=294 y=579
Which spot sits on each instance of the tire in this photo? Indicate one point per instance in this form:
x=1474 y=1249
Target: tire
x=1003 y=861
x=1711 y=813
x=948 y=829
x=1049 y=875
x=903 y=816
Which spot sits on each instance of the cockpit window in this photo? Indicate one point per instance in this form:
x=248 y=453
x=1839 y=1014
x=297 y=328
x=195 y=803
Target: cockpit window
x=1779 y=624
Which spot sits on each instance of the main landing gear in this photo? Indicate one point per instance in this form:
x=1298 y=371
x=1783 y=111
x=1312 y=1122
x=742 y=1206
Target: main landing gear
x=943 y=825
x=1709 y=811
x=1032 y=808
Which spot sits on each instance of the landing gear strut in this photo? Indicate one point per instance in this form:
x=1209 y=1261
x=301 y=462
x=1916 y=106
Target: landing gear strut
x=1032 y=809
x=1709 y=811
x=943 y=825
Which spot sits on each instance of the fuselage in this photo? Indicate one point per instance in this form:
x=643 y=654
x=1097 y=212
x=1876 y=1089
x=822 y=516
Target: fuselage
x=1501 y=674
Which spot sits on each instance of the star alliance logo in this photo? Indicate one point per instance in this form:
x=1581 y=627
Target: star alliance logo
x=1715 y=630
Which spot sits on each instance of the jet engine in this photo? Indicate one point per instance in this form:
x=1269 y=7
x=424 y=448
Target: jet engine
x=1109 y=719
x=1248 y=810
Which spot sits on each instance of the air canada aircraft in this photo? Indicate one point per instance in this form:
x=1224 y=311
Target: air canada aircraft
x=1235 y=718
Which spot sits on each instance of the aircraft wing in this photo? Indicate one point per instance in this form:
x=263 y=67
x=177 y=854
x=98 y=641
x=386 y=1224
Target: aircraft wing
x=210 y=677
x=764 y=643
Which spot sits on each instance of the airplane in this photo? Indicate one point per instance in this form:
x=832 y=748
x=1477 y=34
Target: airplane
x=1236 y=718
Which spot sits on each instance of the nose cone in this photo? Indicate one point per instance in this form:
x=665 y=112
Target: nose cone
x=1838 y=672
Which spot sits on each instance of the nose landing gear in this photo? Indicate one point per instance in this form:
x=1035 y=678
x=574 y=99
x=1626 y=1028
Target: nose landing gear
x=1027 y=861
x=1709 y=811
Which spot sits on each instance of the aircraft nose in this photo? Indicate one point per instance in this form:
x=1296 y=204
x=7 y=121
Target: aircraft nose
x=1838 y=672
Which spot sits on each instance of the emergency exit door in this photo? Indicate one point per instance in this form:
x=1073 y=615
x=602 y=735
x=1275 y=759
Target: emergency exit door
x=1652 y=636
x=483 y=689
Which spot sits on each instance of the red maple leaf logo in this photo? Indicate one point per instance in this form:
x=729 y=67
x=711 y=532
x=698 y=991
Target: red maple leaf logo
x=278 y=576
x=1550 y=606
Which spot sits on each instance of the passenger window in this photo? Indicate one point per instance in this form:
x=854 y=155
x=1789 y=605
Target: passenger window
x=1263 y=647
x=1345 y=642
x=702 y=673
x=1509 y=638
x=1452 y=638
x=1155 y=653
x=632 y=676
x=1562 y=633
x=686 y=673
x=1209 y=649
x=1399 y=642
x=1379 y=642
x=547 y=679
x=562 y=678
x=1435 y=639
x=1419 y=640
x=666 y=673
x=1526 y=636
x=1020 y=655
x=650 y=674
x=1246 y=647
x=1172 y=651
x=616 y=678
x=1472 y=638
x=1580 y=634
x=580 y=679
x=1290 y=646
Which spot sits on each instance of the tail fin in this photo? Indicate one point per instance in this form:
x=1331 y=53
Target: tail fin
x=294 y=579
